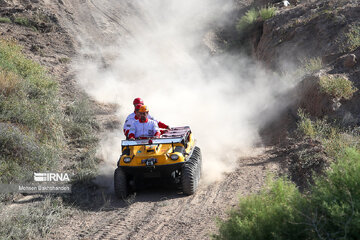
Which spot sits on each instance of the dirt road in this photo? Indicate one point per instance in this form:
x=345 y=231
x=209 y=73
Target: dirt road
x=160 y=213
x=155 y=213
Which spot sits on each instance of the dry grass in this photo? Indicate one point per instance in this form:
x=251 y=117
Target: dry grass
x=9 y=82
x=337 y=86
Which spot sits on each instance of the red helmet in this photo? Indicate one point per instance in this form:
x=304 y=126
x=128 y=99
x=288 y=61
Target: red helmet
x=138 y=101
x=137 y=107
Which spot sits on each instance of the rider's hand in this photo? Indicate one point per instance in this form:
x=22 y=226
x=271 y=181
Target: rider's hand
x=132 y=138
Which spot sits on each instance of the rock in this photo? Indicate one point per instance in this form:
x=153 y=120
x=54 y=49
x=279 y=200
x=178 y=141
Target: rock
x=286 y=3
x=312 y=99
x=28 y=7
x=349 y=61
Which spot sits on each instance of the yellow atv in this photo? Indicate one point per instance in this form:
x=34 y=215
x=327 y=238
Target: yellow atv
x=172 y=155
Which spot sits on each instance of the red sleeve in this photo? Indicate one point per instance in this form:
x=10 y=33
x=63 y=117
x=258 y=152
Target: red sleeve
x=162 y=125
x=157 y=134
x=132 y=135
x=127 y=132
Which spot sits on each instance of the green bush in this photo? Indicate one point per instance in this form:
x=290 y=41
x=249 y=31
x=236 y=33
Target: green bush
x=267 y=12
x=248 y=19
x=252 y=15
x=34 y=104
x=335 y=200
x=339 y=87
x=312 y=65
x=353 y=38
x=23 y=21
x=31 y=133
x=331 y=210
x=5 y=20
x=267 y=215
x=334 y=139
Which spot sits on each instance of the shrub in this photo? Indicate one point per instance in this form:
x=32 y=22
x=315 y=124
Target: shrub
x=249 y=18
x=34 y=221
x=267 y=215
x=9 y=83
x=335 y=200
x=339 y=87
x=305 y=125
x=308 y=66
x=267 y=12
x=252 y=15
x=333 y=139
x=353 y=38
x=5 y=20
x=31 y=135
x=23 y=21
x=80 y=123
x=22 y=154
x=331 y=210
x=312 y=65
x=34 y=103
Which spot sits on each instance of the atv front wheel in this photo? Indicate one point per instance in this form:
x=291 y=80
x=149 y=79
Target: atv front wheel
x=191 y=171
x=120 y=184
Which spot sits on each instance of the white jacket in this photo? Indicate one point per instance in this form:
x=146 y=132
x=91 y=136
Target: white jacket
x=129 y=121
x=144 y=130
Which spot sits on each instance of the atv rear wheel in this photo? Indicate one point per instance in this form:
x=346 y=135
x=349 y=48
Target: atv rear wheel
x=191 y=171
x=120 y=184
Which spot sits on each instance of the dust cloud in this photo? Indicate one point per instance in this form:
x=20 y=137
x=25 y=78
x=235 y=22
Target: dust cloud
x=165 y=61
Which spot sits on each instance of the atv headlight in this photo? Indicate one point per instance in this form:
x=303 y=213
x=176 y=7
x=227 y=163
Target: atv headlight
x=127 y=159
x=174 y=157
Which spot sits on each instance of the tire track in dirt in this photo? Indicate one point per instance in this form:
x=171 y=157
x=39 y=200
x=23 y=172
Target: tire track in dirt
x=167 y=214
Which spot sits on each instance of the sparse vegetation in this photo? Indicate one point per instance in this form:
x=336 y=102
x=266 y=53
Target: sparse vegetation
x=24 y=21
x=37 y=21
x=31 y=133
x=267 y=12
x=279 y=211
x=329 y=210
x=308 y=66
x=312 y=65
x=353 y=38
x=267 y=215
x=34 y=221
x=5 y=20
x=252 y=15
x=64 y=60
x=333 y=138
x=338 y=86
x=249 y=18
x=80 y=123
x=35 y=134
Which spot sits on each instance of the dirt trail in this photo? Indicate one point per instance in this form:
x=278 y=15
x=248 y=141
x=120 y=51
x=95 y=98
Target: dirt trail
x=155 y=213
x=160 y=213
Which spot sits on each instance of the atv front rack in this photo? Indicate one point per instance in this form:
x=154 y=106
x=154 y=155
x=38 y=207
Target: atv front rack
x=174 y=135
x=154 y=141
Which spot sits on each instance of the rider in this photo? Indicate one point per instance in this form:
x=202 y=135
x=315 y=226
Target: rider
x=145 y=127
x=132 y=117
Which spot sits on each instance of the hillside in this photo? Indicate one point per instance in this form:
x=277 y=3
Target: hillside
x=274 y=86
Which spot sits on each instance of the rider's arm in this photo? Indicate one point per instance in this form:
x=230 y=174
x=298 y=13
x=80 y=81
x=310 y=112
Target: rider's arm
x=132 y=131
x=160 y=124
x=156 y=130
x=163 y=125
x=127 y=126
